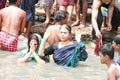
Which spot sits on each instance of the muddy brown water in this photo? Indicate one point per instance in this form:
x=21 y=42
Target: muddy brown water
x=91 y=69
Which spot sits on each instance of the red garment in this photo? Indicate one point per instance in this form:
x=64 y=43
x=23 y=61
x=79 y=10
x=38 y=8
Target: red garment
x=8 y=42
x=66 y=2
x=98 y=45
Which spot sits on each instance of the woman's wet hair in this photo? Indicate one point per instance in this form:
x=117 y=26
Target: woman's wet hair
x=107 y=49
x=12 y=2
x=61 y=14
x=67 y=27
x=33 y=36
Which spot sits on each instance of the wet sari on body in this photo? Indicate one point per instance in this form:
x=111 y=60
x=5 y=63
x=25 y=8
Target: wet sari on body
x=70 y=55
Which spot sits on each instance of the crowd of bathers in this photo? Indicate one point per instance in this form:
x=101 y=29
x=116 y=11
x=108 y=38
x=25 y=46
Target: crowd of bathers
x=18 y=17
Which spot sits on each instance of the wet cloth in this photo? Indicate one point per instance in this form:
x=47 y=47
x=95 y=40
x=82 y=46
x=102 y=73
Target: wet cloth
x=68 y=55
x=66 y=2
x=2 y=3
x=24 y=52
x=8 y=42
x=98 y=45
x=78 y=54
x=44 y=3
x=117 y=60
x=29 y=7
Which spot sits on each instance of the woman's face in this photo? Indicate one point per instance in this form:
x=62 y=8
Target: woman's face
x=33 y=43
x=64 y=34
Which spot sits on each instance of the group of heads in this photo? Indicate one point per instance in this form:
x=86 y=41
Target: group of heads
x=107 y=51
x=61 y=16
x=64 y=34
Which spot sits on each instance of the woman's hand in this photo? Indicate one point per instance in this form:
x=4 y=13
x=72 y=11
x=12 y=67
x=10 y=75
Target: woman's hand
x=32 y=48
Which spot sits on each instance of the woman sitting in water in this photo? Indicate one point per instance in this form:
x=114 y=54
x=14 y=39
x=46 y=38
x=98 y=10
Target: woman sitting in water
x=65 y=52
x=31 y=53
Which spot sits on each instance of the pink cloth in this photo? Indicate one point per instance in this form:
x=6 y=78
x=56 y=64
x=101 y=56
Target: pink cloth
x=8 y=42
x=66 y=2
x=98 y=45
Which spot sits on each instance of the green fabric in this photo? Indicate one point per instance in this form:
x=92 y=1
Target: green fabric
x=104 y=11
x=75 y=56
x=28 y=48
x=119 y=1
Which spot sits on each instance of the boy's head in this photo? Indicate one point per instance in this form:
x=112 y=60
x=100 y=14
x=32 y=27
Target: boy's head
x=106 y=52
x=12 y=2
x=60 y=16
x=116 y=42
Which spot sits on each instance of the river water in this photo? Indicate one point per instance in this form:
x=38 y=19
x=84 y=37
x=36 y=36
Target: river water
x=91 y=69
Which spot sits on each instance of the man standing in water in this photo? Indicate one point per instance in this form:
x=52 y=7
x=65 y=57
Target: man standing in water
x=12 y=23
x=106 y=57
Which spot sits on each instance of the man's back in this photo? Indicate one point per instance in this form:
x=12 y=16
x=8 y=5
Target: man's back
x=12 y=20
x=114 y=72
x=54 y=34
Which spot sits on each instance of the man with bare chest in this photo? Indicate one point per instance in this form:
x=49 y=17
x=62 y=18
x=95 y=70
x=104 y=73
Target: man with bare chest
x=12 y=23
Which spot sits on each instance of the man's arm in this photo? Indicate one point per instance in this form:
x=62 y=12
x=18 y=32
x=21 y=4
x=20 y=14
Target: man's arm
x=110 y=13
x=95 y=8
x=23 y=23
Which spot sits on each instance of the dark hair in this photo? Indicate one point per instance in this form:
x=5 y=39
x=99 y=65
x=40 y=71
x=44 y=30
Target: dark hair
x=107 y=49
x=68 y=27
x=12 y=1
x=116 y=39
x=33 y=36
x=61 y=14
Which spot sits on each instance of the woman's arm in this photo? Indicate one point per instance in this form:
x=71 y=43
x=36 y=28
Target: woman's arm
x=42 y=46
x=25 y=58
x=50 y=50
x=38 y=59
